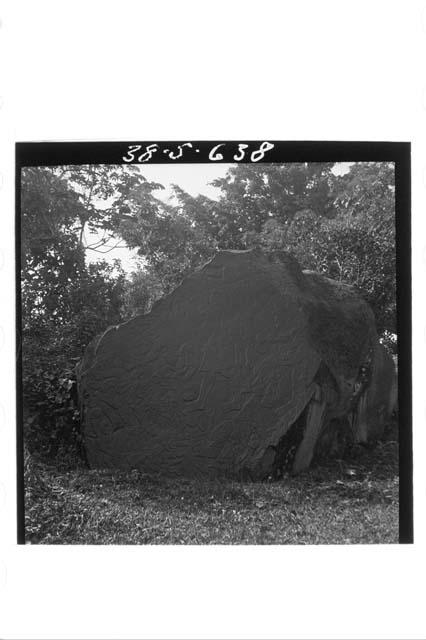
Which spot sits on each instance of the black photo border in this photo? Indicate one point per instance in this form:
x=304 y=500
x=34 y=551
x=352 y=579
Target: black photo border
x=82 y=153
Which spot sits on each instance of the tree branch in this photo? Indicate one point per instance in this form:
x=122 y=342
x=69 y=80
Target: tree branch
x=116 y=246
x=99 y=243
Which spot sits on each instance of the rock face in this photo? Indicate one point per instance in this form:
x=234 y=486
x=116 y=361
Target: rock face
x=239 y=371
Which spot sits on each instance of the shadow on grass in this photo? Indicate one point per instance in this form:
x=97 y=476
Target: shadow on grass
x=349 y=500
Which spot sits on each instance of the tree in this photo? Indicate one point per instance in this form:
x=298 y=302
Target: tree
x=141 y=289
x=356 y=244
x=255 y=193
x=65 y=300
x=169 y=238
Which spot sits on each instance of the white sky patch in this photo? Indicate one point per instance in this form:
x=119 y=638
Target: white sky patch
x=192 y=178
x=340 y=168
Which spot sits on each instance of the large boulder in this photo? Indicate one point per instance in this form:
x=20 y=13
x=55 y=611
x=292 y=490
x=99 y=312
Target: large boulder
x=239 y=371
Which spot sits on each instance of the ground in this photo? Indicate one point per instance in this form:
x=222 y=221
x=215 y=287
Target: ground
x=341 y=501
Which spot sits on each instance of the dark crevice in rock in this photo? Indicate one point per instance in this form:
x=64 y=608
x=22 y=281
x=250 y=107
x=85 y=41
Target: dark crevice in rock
x=286 y=448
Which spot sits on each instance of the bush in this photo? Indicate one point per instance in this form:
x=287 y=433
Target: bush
x=51 y=412
x=51 y=407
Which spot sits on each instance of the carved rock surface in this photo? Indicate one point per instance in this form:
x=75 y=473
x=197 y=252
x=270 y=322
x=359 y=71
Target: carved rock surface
x=216 y=374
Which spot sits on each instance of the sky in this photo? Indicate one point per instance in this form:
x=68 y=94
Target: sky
x=193 y=178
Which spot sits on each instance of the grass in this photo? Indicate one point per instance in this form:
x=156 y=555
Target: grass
x=347 y=501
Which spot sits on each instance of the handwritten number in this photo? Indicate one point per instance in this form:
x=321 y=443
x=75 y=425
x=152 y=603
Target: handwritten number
x=133 y=148
x=241 y=148
x=213 y=155
x=259 y=154
x=180 y=147
x=150 y=150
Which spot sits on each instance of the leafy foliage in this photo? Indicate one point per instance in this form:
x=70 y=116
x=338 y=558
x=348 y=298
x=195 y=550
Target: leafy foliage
x=65 y=302
x=52 y=346
x=141 y=289
x=255 y=193
x=167 y=237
